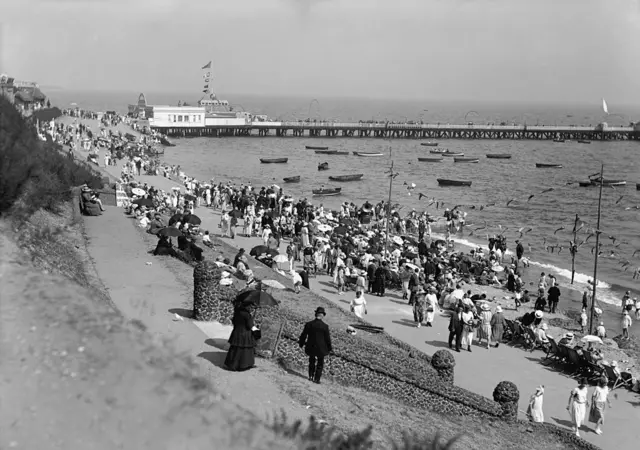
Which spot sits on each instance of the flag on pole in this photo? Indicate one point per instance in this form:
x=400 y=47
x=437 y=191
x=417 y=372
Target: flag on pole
x=604 y=107
x=207 y=65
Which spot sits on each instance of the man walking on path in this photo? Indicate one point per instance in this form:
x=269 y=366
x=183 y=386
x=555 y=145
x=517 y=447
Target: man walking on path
x=316 y=340
x=455 y=328
x=519 y=250
x=554 y=297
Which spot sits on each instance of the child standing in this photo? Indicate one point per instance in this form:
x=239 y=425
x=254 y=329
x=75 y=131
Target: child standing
x=583 y=320
x=626 y=324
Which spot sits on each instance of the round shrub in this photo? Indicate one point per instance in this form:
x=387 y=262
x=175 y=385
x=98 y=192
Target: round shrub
x=444 y=363
x=507 y=395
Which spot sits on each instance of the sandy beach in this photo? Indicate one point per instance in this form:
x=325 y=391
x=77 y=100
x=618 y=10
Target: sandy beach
x=478 y=371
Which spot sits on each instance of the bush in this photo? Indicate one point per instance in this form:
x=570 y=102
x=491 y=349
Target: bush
x=32 y=170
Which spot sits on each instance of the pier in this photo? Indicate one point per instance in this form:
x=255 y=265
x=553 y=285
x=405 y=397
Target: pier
x=382 y=130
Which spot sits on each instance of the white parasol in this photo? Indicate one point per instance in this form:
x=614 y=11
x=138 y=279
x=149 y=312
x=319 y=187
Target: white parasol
x=138 y=191
x=325 y=228
x=398 y=240
x=273 y=284
x=591 y=339
x=412 y=266
x=497 y=269
x=280 y=258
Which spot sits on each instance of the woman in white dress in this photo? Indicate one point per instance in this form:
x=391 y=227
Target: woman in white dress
x=534 y=411
x=432 y=305
x=359 y=305
x=304 y=232
x=599 y=400
x=468 y=323
x=578 y=405
x=484 y=332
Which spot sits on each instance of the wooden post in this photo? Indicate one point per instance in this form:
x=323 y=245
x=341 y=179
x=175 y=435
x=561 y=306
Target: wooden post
x=574 y=249
x=595 y=262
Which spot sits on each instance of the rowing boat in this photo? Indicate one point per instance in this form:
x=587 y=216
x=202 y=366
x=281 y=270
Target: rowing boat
x=438 y=151
x=323 y=166
x=314 y=147
x=326 y=152
x=355 y=177
x=498 y=156
x=583 y=141
x=429 y=144
x=445 y=182
x=558 y=140
x=369 y=154
x=430 y=159
x=274 y=160
x=452 y=154
x=326 y=191
x=466 y=160
x=637 y=186
x=605 y=182
x=548 y=166
x=295 y=179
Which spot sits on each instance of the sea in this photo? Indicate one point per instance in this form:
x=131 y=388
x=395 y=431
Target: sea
x=550 y=216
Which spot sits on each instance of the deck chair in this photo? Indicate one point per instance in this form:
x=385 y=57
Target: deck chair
x=518 y=337
x=617 y=380
x=594 y=371
x=531 y=342
x=554 y=355
x=576 y=363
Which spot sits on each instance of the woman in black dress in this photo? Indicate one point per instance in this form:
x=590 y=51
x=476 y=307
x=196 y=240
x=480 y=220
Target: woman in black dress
x=241 y=355
x=380 y=279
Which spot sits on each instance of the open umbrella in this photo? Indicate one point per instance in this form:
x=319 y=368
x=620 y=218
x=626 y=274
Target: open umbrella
x=273 y=284
x=324 y=227
x=398 y=240
x=259 y=250
x=591 y=339
x=175 y=218
x=280 y=258
x=138 y=191
x=340 y=230
x=194 y=220
x=412 y=266
x=143 y=202
x=170 y=232
x=256 y=297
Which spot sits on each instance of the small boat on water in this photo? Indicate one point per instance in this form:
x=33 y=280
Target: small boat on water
x=369 y=154
x=452 y=154
x=295 y=179
x=166 y=142
x=429 y=144
x=339 y=154
x=430 y=159
x=274 y=160
x=323 y=166
x=583 y=141
x=326 y=152
x=355 y=177
x=466 y=160
x=637 y=186
x=558 y=140
x=605 y=182
x=498 y=156
x=548 y=166
x=438 y=151
x=327 y=191
x=445 y=182
x=315 y=147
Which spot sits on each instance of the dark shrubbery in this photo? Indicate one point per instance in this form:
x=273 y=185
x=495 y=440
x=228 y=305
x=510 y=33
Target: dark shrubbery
x=32 y=170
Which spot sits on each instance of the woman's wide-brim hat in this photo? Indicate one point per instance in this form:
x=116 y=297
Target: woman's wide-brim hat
x=539 y=314
x=320 y=310
x=485 y=307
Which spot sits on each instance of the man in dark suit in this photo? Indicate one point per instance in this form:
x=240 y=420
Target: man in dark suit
x=316 y=340
x=455 y=328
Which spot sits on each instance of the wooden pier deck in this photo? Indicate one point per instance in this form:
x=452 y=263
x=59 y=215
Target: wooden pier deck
x=408 y=131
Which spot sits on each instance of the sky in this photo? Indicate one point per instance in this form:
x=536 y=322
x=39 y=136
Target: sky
x=496 y=50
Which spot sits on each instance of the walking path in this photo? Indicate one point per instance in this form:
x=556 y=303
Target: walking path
x=479 y=371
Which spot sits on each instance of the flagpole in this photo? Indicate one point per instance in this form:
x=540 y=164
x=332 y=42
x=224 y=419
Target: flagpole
x=386 y=236
x=595 y=262
x=574 y=249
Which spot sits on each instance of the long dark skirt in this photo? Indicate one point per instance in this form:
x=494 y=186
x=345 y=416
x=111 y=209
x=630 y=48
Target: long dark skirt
x=240 y=358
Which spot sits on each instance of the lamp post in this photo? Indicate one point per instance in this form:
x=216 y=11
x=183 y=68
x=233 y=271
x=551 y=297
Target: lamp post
x=392 y=175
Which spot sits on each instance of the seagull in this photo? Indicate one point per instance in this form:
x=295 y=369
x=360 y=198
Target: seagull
x=559 y=229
